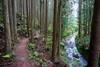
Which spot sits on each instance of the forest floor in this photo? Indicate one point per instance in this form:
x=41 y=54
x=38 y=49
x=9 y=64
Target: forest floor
x=22 y=56
x=22 y=53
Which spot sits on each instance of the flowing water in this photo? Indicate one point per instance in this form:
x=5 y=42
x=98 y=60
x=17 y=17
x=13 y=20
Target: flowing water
x=74 y=58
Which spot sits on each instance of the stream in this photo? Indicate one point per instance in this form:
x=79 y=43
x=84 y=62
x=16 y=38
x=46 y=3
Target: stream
x=74 y=58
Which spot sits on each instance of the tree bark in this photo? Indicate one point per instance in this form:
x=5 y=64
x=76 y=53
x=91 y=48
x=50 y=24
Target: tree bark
x=14 y=20
x=95 y=37
x=46 y=21
x=7 y=26
x=11 y=19
x=56 y=31
x=79 y=18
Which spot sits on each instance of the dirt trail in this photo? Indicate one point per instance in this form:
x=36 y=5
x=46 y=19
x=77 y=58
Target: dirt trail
x=21 y=54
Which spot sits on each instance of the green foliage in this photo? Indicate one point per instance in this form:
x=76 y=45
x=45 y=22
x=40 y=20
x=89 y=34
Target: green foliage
x=7 y=56
x=50 y=29
x=21 y=24
x=83 y=45
x=31 y=47
x=49 y=41
x=63 y=52
x=34 y=55
x=70 y=29
x=49 y=38
x=85 y=41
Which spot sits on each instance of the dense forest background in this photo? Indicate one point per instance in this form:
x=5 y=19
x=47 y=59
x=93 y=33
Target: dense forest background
x=43 y=26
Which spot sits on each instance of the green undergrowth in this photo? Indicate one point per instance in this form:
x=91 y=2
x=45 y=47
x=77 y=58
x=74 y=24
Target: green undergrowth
x=83 y=46
x=34 y=55
x=7 y=56
x=62 y=46
x=63 y=52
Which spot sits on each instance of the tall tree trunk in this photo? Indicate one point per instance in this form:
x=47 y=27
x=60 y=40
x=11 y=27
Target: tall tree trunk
x=95 y=37
x=14 y=20
x=56 y=32
x=34 y=14
x=42 y=16
x=79 y=18
x=59 y=26
x=46 y=21
x=28 y=19
x=7 y=26
x=31 y=19
x=11 y=19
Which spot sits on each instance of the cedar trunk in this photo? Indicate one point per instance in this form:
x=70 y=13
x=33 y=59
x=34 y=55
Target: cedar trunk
x=56 y=31
x=7 y=26
x=95 y=37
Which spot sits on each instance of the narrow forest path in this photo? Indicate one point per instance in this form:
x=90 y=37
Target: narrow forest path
x=21 y=53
